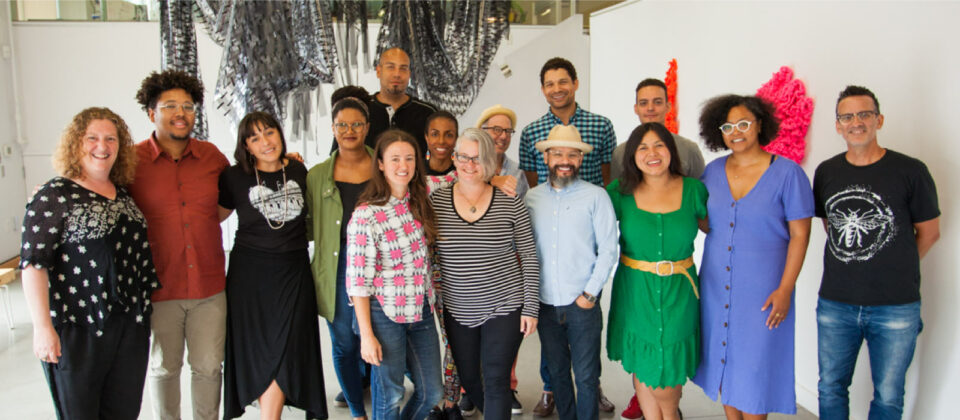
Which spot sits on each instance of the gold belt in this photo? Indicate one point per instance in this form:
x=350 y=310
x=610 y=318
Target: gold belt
x=663 y=268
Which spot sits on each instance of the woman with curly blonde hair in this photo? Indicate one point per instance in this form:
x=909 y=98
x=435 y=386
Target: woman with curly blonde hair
x=88 y=273
x=68 y=158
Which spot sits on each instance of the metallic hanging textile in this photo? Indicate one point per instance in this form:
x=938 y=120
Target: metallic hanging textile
x=449 y=59
x=350 y=32
x=272 y=51
x=178 y=47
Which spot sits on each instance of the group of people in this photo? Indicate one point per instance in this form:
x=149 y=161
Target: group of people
x=415 y=221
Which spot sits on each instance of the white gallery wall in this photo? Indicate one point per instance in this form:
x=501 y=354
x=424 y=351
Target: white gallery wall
x=904 y=51
x=11 y=160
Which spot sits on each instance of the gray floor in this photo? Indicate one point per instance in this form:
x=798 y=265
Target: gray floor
x=24 y=393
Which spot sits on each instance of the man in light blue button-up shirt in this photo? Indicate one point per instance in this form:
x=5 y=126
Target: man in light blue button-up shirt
x=576 y=232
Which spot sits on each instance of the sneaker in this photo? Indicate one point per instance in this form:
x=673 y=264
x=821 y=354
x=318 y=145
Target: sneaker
x=633 y=411
x=466 y=406
x=517 y=408
x=436 y=414
x=605 y=405
x=452 y=413
x=545 y=406
x=339 y=400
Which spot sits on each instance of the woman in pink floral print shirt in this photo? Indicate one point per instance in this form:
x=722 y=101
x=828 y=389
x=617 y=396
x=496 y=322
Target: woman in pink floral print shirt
x=388 y=257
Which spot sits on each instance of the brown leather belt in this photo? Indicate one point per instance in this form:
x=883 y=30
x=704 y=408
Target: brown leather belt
x=663 y=268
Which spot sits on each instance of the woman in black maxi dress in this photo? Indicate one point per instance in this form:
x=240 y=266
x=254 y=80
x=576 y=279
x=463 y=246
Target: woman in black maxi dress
x=273 y=342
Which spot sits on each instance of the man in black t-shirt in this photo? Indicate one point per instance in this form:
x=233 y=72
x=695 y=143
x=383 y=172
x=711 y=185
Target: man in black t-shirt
x=880 y=211
x=392 y=107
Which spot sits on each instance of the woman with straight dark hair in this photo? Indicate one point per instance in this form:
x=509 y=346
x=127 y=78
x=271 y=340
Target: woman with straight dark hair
x=273 y=338
x=654 y=323
x=760 y=208
x=390 y=283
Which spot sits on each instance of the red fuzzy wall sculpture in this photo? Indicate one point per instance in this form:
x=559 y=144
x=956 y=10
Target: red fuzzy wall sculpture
x=671 y=81
x=794 y=110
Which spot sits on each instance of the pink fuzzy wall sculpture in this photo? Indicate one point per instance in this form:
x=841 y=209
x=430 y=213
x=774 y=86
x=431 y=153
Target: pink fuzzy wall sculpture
x=671 y=81
x=794 y=110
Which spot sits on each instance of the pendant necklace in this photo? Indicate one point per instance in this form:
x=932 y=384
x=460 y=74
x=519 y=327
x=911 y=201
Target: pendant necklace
x=473 y=205
x=263 y=200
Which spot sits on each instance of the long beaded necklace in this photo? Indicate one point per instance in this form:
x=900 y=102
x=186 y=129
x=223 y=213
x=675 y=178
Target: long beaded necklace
x=263 y=200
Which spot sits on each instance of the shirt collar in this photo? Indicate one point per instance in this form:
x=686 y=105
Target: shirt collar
x=577 y=112
x=575 y=185
x=190 y=150
x=394 y=200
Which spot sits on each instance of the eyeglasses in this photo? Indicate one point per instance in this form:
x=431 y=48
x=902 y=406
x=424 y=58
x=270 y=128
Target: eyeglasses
x=356 y=127
x=465 y=159
x=499 y=130
x=742 y=126
x=187 y=107
x=865 y=116
x=556 y=154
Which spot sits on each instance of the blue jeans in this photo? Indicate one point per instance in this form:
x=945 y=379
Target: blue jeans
x=412 y=348
x=544 y=372
x=570 y=338
x=891 y=334
x=347 y=362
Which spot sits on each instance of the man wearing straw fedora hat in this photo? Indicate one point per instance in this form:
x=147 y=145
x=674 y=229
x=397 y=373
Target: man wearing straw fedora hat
x=575 y=229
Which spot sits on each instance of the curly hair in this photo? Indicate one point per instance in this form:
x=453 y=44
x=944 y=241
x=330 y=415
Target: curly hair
x=715 y=113
x=68 y=158
x=632 y=177
x=156 y=83
x=378 y=191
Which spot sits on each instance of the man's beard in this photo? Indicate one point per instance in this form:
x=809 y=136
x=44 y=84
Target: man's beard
x=562 y=182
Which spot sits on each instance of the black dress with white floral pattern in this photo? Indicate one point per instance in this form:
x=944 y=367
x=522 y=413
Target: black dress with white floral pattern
x=95 y=251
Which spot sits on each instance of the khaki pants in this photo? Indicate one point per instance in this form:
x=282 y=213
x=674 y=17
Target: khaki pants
x=201 y=324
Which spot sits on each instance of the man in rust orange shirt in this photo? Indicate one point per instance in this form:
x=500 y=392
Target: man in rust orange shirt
x=176 y=189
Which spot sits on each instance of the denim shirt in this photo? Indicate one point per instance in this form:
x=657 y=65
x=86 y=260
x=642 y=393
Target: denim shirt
x=576 y=233
x=323 y=228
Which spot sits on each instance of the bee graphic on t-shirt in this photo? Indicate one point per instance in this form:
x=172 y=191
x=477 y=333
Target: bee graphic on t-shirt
x=853 y=226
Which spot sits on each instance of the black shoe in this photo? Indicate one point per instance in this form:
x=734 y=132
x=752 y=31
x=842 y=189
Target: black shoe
x=436 y=414
x=466 y=406
x=516 y=408
x=339 y=400
x=452 y=413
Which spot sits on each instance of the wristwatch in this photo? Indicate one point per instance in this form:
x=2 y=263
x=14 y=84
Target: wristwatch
x=590 y=298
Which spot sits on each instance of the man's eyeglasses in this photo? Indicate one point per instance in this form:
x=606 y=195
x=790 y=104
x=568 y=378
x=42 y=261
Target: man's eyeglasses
x=356 y=127
x=741 y=126
x=462 y=158
x=187 y=108
x=499 y=130
x=865 y=116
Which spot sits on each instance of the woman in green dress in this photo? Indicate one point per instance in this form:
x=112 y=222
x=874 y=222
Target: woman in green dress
x=654 y=319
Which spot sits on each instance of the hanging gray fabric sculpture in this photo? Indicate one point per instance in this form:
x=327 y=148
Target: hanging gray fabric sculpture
x=351 y=35
x=271 y=50
x=450 y=59
x=178 y=47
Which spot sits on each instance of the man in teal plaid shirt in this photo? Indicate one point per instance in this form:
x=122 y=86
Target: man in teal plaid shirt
x=558 y=81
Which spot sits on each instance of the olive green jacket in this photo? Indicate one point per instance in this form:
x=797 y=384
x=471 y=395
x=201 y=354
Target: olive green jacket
x=323 y=228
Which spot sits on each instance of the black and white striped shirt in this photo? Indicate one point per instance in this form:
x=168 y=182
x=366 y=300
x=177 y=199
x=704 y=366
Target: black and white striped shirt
x=482 y=276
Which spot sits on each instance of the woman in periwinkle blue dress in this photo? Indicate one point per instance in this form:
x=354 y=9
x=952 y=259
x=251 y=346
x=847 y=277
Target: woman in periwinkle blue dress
x=759 y=209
